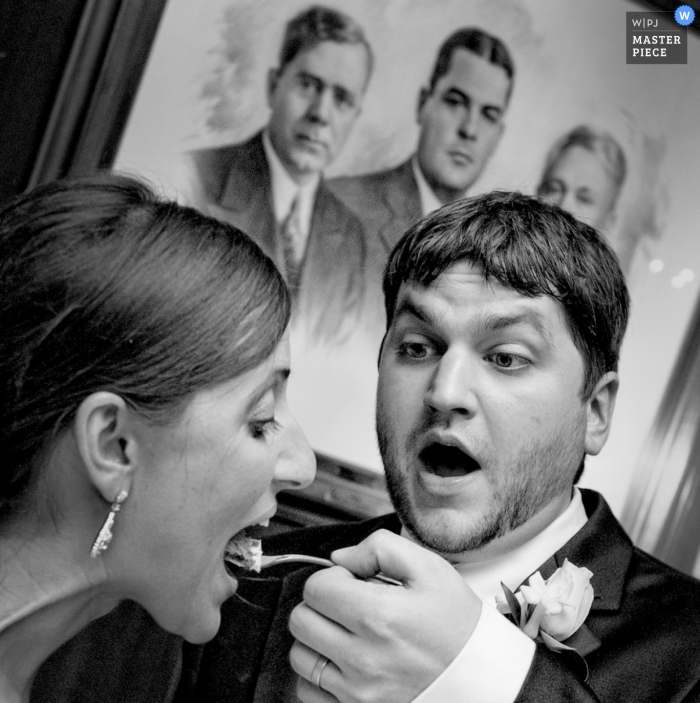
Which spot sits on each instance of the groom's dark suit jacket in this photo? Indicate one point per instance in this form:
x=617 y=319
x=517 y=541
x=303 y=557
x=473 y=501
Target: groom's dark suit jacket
x=235 y=186
x=641 y=640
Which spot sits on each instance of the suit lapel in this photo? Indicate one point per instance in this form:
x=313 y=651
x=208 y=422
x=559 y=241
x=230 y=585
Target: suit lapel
x=603 y=547
x=247 y=193
x=325 y=244
x=403 y=207
x=332 y=279
x=583 y=641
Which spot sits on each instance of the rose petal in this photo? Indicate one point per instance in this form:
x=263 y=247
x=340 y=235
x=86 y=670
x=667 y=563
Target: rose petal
x=531 y=595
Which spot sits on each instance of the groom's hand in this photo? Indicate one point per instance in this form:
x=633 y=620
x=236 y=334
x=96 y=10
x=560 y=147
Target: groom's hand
x=384 y=643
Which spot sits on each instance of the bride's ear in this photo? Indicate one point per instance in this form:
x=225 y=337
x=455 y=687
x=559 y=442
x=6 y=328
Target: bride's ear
x=107 y=443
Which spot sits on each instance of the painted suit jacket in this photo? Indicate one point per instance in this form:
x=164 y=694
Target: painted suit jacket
x=235 y=186
x=641 y=640
x=387 y=203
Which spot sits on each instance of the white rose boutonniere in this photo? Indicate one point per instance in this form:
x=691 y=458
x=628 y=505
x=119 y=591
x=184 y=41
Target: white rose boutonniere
x=550 y=611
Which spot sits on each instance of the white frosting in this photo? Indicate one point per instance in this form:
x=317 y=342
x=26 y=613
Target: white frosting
x=245 y=552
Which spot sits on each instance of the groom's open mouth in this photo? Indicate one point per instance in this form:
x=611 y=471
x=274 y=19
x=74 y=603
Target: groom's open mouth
x=447 y=461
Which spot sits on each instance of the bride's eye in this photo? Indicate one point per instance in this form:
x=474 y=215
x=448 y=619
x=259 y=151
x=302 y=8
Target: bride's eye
x=260 y=429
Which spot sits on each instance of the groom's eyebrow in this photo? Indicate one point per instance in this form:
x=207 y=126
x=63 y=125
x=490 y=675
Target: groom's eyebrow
x=526 y=318
x=409 y=306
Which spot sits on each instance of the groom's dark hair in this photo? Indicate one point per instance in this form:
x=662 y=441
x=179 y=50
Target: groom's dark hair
x=533 y=248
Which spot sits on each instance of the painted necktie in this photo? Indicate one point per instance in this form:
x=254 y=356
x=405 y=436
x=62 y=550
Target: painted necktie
x=290 y=231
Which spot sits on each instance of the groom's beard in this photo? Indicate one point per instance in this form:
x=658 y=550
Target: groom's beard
x=520 y=487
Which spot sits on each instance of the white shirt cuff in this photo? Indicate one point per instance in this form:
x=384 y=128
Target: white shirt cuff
x=491 y=668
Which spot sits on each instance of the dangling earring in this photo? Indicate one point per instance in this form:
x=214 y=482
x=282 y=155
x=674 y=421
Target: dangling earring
x=105 y=535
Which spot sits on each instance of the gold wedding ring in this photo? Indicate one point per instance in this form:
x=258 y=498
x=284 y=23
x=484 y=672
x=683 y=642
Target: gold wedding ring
x=318 y=671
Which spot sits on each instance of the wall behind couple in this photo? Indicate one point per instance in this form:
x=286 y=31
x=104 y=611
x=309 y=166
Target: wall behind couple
x=205 y=86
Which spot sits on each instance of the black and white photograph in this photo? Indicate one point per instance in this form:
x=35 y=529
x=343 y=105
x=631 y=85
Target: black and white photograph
x=351 y=351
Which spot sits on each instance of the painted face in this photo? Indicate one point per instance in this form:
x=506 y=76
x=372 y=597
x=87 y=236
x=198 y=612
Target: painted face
x=479 y=418
x=315 y=99
x=213 y=473
x=579 y=183
x=461 y=121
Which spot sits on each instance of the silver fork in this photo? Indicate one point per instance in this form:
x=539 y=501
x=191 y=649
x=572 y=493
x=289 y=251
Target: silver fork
x=272 y=560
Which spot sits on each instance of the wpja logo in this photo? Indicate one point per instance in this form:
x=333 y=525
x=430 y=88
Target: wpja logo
x=659 y=37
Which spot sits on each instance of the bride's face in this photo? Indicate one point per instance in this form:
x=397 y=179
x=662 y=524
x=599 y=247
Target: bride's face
x=213 y=473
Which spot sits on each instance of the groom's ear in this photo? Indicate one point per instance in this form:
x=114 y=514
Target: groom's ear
x=599 y=410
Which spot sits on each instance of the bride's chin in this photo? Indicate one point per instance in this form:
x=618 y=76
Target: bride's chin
x=206 y=628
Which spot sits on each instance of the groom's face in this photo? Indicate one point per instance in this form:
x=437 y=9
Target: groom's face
x=479 y=416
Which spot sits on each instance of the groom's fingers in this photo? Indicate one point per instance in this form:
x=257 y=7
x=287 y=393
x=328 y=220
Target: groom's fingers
x=305 y=663
x=320 y=634
x=387 y=643
x=393 y=556
x=358 y=605
x=344 y=599
x=308 y=693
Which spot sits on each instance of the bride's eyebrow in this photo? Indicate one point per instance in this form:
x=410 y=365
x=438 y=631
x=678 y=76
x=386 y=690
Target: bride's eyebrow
x=279 y=375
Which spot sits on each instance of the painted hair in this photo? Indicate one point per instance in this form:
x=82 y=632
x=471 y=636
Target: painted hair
x=478 y=42
x=533 y=248
x=105 y=286
x=318 y=24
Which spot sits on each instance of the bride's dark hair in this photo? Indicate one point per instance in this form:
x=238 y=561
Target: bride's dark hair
x=106 y=286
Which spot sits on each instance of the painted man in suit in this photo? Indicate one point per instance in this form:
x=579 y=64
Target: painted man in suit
x=272 y=186
x=460 y=116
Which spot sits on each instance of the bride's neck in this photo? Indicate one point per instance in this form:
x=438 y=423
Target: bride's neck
x=47 y=595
